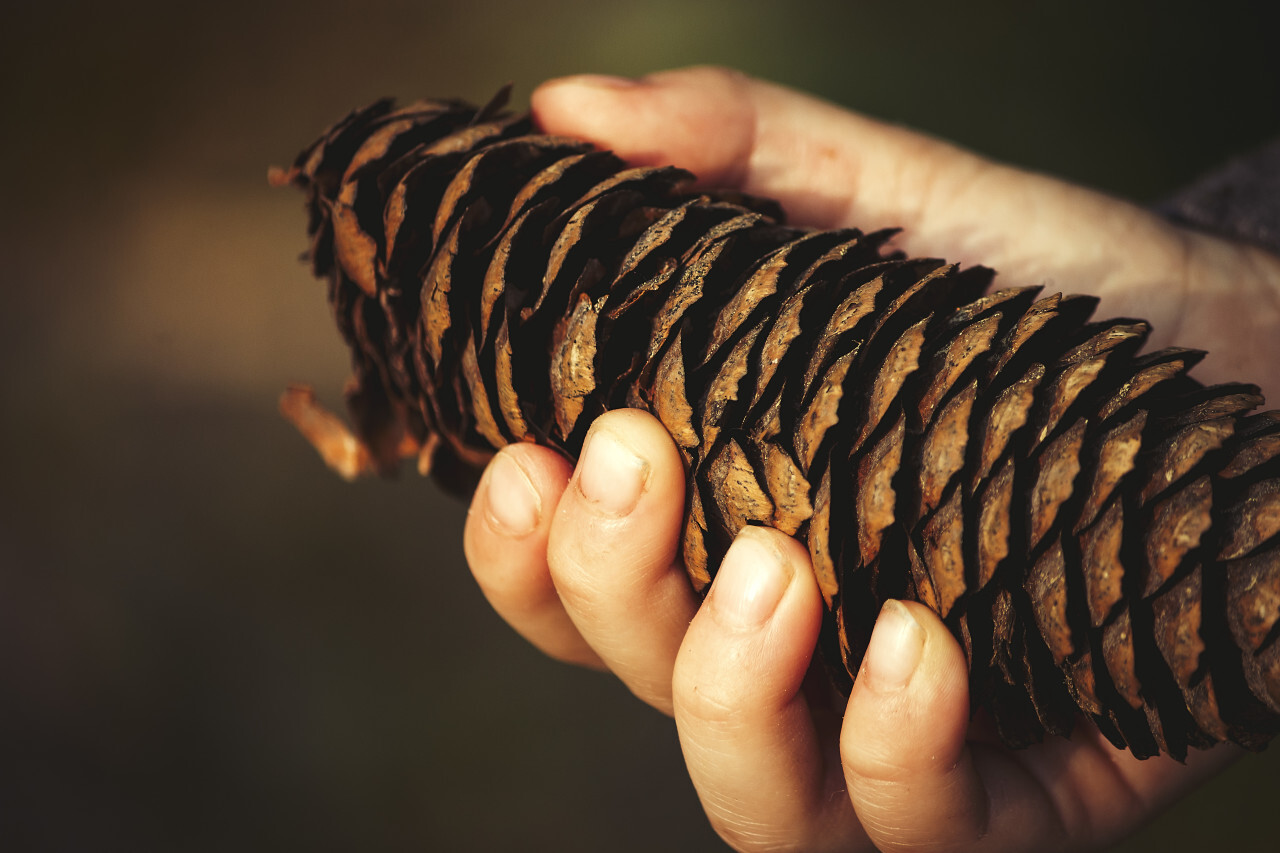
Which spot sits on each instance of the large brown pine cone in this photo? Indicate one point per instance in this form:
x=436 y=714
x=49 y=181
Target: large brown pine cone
x=1097 y=528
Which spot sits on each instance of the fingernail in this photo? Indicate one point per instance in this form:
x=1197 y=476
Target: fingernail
x=603 y=81
x=751 y=581
x=610 y=475
x=897 y=644
x=514 y=507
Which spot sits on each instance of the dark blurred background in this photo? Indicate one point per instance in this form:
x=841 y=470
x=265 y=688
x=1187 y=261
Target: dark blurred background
x=209 y=642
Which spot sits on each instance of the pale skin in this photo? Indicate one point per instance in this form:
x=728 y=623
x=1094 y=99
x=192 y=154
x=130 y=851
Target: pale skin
x=584 y=563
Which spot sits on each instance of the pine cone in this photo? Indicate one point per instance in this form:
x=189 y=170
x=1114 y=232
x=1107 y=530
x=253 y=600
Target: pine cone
x=1098 y=529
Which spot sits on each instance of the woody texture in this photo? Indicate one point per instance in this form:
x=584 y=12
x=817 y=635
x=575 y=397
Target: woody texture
x=1099 y=530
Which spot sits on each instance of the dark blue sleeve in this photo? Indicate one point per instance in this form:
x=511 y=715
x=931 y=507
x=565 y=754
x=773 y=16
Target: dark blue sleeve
x=1241 y=200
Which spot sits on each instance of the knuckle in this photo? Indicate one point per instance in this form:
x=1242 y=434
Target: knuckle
x=875 y=759
x=575 y=569
x=595 y=560
x=751 y=836
x=716 y=701
x=729 y=78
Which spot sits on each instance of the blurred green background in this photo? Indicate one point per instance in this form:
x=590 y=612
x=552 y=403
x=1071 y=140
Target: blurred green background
x=207 y=641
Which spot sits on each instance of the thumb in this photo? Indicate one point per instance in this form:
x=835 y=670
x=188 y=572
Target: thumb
x=829 y=167
x=832 y=168
x=664 y=118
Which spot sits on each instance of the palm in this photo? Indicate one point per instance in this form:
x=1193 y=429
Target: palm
x=905 y=768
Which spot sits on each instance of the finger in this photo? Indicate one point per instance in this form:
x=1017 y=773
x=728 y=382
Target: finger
x=767 y=777
x=911 y=775
x=915 y=782
x=505 y=541
x=659 y=119
x=613 y=551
